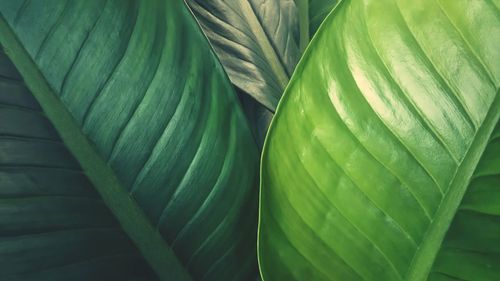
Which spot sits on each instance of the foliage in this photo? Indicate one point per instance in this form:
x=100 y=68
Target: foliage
x=375 y=142
x=130 y=135
x=139 y=99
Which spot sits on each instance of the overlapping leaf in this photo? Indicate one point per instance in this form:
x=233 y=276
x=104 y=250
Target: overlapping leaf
x=471 y=248
x=53 y=225
x=318 y=10
x=259 y=43
x=375 y=142
x=143 y=104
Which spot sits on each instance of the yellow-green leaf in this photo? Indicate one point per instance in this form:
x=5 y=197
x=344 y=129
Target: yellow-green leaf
x=376 y=139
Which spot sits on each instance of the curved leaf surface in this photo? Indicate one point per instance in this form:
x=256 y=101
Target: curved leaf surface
x=471 y=248
x=258 y=117
x=259 y=44
x=377 y=138
x=143 y=104
x=257 y=41
x=53 y=224
x=318 y=10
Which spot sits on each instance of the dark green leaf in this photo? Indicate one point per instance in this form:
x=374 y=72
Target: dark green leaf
x=258 y=117
x=318 y=10
x=377 y=138
x=53 y=225
x=471 y=248
x=141 y=101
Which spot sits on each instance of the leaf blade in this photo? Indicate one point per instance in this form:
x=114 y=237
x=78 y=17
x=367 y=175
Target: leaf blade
x=361 y=130
x=52 y=218
x=141 y=144
x=257 y=42
x=318 y=10
x=472 y=238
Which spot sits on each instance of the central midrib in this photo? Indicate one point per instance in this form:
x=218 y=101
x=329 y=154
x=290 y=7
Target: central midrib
x=131 y=217
x=427 y=251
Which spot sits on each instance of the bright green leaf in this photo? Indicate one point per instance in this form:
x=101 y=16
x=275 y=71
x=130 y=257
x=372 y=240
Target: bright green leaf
x=377 y=138
x=142 y=103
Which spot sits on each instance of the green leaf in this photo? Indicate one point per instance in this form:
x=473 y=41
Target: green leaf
x=259 y=43
x=259 y=117
x=377 y=138
x=318 y=10
x=471 y=248
x=142 y=103
x=53 y=224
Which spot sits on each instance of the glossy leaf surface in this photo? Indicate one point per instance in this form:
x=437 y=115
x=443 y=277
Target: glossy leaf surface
x=144 y=105
x=377 y=138
x=53 y=224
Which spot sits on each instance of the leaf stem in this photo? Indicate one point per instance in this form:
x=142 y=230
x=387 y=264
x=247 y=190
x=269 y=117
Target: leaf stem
x=131 y=217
